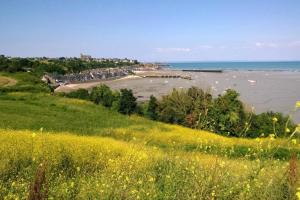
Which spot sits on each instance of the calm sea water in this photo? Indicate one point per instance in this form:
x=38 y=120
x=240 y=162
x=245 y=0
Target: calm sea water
x=255 y=66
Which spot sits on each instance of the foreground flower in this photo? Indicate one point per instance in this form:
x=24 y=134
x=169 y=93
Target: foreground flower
x=297 y=104
x=298 y=195
x=298 y=128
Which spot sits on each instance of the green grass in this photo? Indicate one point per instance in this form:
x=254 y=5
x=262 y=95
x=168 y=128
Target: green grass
x=25 y=81
x=26 y=111
x=91 y=152
x=32 y=112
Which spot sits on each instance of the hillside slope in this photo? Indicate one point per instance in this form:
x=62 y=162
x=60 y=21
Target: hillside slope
x=88 y=151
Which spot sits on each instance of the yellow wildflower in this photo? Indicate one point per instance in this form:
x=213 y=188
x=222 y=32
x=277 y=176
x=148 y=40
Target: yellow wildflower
x=294 y=141
x=275 y=119
x=151 y=179
x=33 y=135
x=298 y=128
x=213 y=194
x=297 y=104
x=222 y=164
x=133 y=191
x=298 y=195
x=248 y=187
x=287 y=130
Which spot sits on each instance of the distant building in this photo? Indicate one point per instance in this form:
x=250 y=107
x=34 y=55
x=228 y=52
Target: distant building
x=86 y=57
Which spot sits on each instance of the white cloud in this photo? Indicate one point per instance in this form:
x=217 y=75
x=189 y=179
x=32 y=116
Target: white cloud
x=294 y=44
x=173 y=49
x=273 y=45
x=266 y=45
x=205 y=46
x=223 y=47
x=259 y=44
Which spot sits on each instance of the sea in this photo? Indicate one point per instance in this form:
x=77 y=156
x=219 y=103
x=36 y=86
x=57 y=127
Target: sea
x=238 y=65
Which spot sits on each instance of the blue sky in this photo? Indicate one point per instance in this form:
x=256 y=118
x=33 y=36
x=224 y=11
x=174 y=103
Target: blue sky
x=153 y=30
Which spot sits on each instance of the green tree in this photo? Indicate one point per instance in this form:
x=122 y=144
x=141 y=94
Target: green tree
x=102 y=95
x=127 y=102
x=152 y=112
x=228 y=114
x=174 y=108
x=202 y=103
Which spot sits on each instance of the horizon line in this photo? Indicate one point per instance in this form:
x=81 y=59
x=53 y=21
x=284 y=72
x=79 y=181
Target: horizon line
x=163 y=61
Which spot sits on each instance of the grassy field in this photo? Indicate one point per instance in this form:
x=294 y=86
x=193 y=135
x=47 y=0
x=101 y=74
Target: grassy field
x=21 y=81
x=79 y=150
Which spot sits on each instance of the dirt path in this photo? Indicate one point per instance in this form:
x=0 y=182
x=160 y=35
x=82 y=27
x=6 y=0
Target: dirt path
x=6 y=81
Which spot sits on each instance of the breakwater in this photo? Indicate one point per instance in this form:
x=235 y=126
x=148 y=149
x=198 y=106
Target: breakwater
x=203 y=70
x=167 y=76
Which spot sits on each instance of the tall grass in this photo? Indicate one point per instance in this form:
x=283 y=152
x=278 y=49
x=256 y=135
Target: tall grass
x=83 y=167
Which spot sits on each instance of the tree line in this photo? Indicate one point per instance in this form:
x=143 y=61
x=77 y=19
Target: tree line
x=194 y=108
x=54 y=65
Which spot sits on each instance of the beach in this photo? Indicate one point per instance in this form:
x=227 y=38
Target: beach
x=261 y=90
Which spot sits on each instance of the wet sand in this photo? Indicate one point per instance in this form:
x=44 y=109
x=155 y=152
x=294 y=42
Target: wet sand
x=276 y=90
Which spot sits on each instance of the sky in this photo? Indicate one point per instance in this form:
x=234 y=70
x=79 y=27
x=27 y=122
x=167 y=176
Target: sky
x=152 y=30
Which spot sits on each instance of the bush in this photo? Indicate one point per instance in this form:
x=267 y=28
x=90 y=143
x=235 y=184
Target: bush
x=152 y=112
x=228 y=114
x=79 y=94
x=102 y=95
x=225 y=114
x=266 y=123
x=202 y=103
x=174 y=108
x=187 y=107
x=127 y=102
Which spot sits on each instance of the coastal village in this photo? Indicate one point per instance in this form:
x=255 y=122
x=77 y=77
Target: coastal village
x=133 y=67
